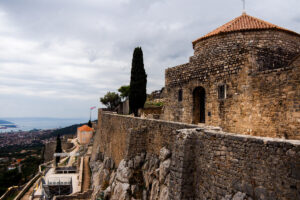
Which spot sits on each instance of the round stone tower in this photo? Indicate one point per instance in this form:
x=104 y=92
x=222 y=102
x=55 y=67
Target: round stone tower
x=272 y=46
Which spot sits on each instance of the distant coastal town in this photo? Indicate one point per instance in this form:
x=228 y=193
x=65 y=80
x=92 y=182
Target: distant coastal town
x=22 y=151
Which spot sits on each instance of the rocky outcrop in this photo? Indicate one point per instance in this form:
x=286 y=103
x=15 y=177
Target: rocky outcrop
x=145 y=176
x=237 y=196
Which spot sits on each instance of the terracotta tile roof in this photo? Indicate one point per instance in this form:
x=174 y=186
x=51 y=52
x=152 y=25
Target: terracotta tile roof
x=242 y=23
x=85 y=128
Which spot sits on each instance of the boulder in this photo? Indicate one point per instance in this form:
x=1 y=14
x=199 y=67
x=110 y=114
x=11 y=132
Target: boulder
x=112 y=177
x=239 y=196
x=121 y=191
x=107 y=193
x=164 y=169
x=154 y=195
x=227 y=197
x=138 y=160
x=164 y=193
x=124 y=173
x=108 y=163
x=104 y=177
x=164 y=154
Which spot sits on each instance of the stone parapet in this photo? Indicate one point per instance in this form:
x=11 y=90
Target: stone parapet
x=203 y=162
x=121 y=136
x=209 y=164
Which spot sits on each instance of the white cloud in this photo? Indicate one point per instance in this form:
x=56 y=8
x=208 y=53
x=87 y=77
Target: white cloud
x=59 y=57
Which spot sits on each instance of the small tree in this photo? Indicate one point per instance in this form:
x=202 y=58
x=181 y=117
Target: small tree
x=111 y=100
x=58 y=149
x=124 y=91
x=138 y=82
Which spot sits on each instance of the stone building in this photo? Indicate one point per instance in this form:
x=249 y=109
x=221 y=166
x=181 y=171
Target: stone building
x=244 y=77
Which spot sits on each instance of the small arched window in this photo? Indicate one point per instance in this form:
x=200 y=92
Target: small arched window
x=180 y=95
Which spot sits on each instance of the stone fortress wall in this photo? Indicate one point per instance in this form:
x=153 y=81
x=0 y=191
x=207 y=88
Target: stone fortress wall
x=261 y=78
x=206 y=163
x=122 y=136
x=214 y=164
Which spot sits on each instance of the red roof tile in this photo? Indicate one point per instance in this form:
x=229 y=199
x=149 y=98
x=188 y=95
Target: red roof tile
x=242 y=23
x=85 y=128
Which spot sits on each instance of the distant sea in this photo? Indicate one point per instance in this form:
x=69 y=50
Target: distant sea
x=27 y=124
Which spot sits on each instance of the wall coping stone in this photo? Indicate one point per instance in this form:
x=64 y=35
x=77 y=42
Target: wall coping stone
x=210 y=130
x=154 y=120
x=265 y=140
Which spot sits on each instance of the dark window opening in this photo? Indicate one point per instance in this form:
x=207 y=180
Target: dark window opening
x=199 y=105
x=222 y=92
x=180 y=95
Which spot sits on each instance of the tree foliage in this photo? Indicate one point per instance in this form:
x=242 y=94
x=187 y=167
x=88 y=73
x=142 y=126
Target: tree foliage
x=90 y=124
x=58 y=148
x=138 y=82
x=9 y=178
x=111 y=100
x=124 y=91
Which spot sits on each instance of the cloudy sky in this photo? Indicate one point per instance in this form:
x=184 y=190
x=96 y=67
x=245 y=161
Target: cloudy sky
x=58 y=57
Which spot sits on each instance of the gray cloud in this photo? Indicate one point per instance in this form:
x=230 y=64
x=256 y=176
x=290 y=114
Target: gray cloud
x=58 y=57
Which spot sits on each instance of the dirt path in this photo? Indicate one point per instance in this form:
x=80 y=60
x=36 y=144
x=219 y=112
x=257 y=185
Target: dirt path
x=86 y=174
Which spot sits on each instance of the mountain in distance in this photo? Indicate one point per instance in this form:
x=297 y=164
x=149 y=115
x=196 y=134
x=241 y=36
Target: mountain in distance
x=6 y=124
x=40 y=123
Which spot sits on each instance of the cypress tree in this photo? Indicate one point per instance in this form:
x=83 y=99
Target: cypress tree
x=90 y=124
x=58 y=148
x=138 y=82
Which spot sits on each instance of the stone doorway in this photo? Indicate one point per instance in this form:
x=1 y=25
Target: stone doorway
x=199 y=105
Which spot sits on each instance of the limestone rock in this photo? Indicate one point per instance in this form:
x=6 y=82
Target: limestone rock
x=107 y=193
x=239 y=196
x=124 y=173
x=130 y=164
x=96 y=175
x=148 y=178
x=108 y=163
x=227 y=197
x=145 y=165
x=133 y=189
x=153 y=163
x=164 y=154
x=167 y=180
x=96 y=192
x=164 y=169
x=154 y=195
x=112 y=177
x=138 y=160
x=123 y=183
x=164 y=193
x=104 y=177
x=121 y=191
x=145 y=195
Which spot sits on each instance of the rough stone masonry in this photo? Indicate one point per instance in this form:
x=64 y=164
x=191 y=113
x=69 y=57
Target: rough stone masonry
x=244 y=77
x=202 y=163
